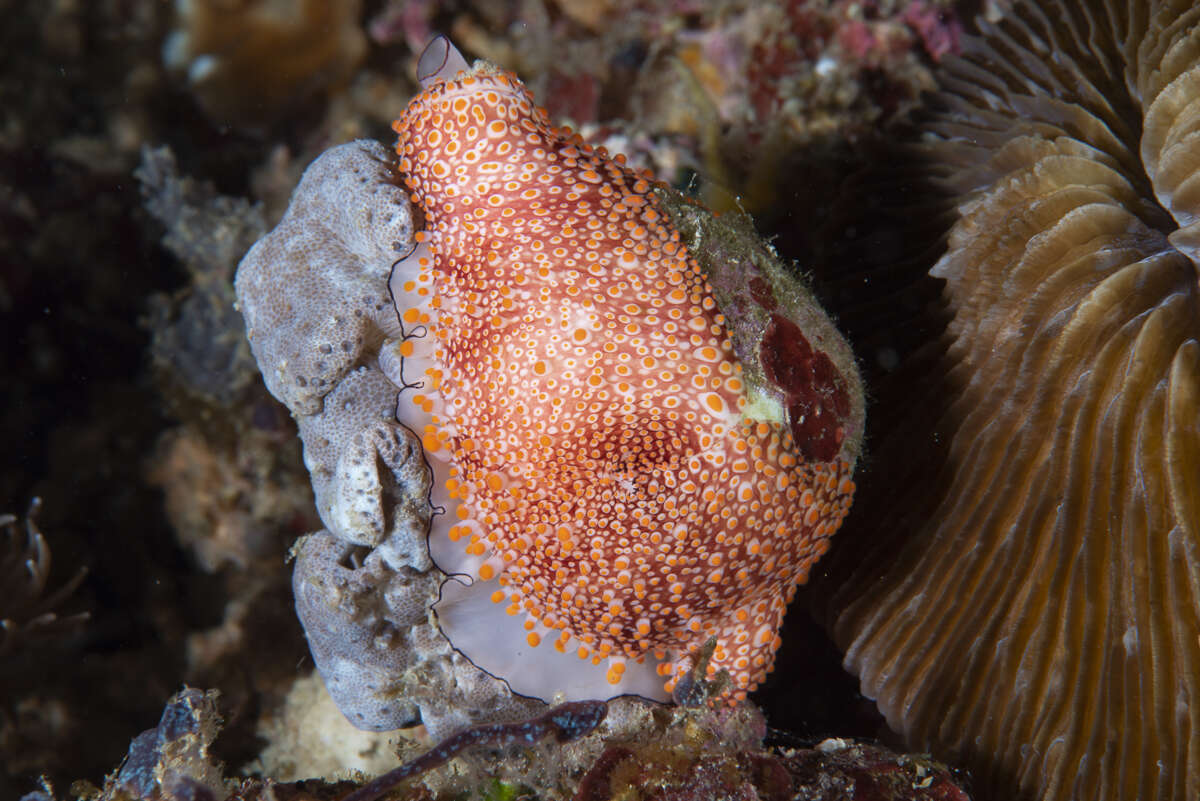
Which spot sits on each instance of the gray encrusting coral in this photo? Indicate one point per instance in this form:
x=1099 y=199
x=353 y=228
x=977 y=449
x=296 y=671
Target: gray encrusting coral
x=319 y=317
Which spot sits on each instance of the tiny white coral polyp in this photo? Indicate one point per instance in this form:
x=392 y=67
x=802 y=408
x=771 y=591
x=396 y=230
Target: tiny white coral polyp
x=616 y=489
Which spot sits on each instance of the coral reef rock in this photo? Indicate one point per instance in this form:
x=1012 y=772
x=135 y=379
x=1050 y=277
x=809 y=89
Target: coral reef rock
x=172 y=761
x=626 y=748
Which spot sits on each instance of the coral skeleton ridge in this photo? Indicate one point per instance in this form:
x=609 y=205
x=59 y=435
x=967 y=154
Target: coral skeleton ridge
x=1027 y=595
x=625 y=426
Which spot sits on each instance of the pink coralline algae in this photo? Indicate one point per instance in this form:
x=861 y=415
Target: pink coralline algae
x=940 y=32
x=626 y=470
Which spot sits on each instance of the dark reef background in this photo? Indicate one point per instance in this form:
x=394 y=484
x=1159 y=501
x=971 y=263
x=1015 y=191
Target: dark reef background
x=142 y=150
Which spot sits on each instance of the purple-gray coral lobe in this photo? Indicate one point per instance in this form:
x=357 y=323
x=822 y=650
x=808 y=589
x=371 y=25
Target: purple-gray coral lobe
x=314 y=293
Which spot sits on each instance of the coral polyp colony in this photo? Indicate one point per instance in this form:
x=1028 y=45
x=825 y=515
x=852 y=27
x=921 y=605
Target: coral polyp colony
x=640 y=427
x=615 y=490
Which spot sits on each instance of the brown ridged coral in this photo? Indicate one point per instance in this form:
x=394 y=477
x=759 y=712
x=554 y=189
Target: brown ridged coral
x=251 y=61
x=1026 y=598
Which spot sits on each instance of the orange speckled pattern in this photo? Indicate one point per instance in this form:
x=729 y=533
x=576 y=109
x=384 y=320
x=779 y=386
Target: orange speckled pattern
x=585 y=393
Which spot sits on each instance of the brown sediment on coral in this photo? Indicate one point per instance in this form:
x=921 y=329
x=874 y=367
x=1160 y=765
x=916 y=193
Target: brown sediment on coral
x=1026 y=597
x=251 y=61
x=586 y=751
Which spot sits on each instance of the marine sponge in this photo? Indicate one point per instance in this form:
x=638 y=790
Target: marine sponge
x=1029 y=599
x=315 y=299
x=314 y=296
x=383 y=659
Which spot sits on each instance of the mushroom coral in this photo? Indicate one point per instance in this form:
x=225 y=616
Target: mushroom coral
x=1032 y=604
